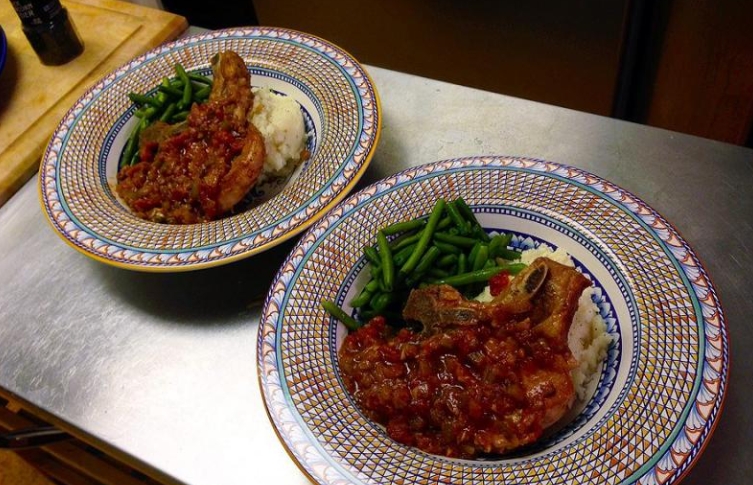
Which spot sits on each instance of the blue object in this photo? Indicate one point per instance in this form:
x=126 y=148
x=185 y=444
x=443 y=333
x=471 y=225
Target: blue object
x=3 y=49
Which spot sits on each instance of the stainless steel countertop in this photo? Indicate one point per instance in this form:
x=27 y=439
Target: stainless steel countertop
x=160 y=369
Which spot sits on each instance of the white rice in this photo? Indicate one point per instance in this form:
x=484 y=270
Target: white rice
x=588 y=338
x=280 y=121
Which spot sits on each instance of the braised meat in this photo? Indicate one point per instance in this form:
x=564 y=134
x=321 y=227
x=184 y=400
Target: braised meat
x=201 y=169
x=480 y=378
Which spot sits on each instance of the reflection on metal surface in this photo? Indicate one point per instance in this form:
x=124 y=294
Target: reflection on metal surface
x=161 y=369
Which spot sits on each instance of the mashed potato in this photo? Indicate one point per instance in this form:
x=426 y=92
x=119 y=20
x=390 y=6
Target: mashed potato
x=588 y=338
x=280 y=121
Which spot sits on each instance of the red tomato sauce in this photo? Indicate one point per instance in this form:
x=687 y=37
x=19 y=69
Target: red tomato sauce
x=458 y=393
x=180 y=183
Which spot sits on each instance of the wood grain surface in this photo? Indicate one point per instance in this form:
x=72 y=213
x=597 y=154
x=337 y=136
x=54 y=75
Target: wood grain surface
x=34 y=97
x=704 y=80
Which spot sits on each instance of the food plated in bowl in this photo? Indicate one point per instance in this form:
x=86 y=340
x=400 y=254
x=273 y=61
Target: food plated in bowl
x=478 y=377
x=657 y=389
x=199 y=156
x=79 y=171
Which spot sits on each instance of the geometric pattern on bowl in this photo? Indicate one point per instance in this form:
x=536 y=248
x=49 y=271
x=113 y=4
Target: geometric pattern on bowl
x=645 y=423
x=78 y=172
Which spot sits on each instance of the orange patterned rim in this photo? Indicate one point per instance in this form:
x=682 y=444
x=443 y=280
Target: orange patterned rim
x=77 y=173
x=660 y=390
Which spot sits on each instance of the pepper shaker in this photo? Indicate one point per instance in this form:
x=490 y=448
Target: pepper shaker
x=49 y=30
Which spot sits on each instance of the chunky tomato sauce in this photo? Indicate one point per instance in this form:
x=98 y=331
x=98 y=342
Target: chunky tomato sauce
x=181 y=182
x=464 y=392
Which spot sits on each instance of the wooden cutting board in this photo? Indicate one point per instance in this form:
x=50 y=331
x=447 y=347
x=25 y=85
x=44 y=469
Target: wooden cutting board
x=34 y=97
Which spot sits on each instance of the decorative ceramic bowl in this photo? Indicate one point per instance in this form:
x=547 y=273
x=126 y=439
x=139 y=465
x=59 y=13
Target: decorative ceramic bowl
x=78 y=172
x=658 y=392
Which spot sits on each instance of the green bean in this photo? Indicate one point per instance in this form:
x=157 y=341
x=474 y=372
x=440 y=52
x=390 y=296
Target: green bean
x=388 y=265
x=168 y=113
x=372 y=286
x=141 y=99
x=465 y=210
x=438 y=273
x=404 y=226
x=460 y=241
x=147 y=113
x=372 y=255
x=470 y=277
x=130 y=147
x=505 y=239
x=164 y=106
x=363 y=298
x=180 y=116
x=447 y=248
x=473 y=253
x=338 y=313
x=512 y=268
x=444 y=223
x=508 y=254
x=426 y=235
x=151 y=113
x=414 y=280
x=475 y=229
x=187 y=86
x=402 y=242
x=402 y=256
x=203 y=93
x=431 y=254
x=462 y=263
x=447 y=260
x=457 y=218
x=480 y=263
x=170 y=90
x=131 y=152
x=376 y=272
x=482 y=256
x=380 y=301
x=480 y=233
x=498 y=242
x=199 y=78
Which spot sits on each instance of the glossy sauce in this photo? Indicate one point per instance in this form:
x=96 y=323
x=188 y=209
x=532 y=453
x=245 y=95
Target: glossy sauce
x=180 y=183
x=463 y=392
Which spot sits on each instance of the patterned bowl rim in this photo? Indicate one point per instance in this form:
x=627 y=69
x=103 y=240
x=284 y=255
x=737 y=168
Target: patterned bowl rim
x=86 y=240
x=674 y=457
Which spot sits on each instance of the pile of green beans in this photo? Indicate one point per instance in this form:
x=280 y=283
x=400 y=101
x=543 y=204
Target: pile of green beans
x=171 y=104
x=447 y=247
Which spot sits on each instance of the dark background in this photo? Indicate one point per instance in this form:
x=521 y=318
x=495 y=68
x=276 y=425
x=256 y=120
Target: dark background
x=682 y=65
x=214 y=14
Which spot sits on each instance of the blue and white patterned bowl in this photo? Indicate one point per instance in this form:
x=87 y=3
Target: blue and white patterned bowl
x=660 y=388
x=77 y=176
